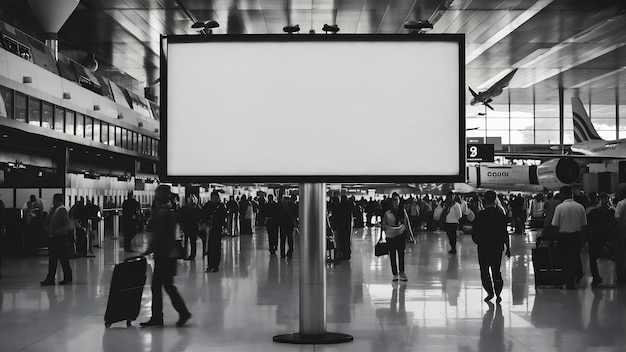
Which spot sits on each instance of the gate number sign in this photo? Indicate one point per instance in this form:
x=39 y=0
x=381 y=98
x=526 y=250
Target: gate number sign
x=480 y=152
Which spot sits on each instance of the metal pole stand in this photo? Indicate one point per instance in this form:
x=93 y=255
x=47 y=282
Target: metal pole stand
x=89 y=252
x=313 y=271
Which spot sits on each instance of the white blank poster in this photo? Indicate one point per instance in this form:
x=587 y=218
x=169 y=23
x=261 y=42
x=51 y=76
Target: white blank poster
x=319 y=108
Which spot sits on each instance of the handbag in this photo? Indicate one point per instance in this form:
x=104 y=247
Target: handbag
x=381 y=248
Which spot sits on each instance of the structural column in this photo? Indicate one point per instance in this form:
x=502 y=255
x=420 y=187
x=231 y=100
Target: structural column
x=313 y=271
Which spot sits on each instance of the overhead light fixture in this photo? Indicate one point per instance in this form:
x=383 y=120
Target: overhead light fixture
x=27 y=79
x=96 y=107
x=123 y=178
x=291 y=29
x=120 y=116
x=141 y=124
x=333 y=28
x=418 y=26
x=208 y=24
x=67 y=95
x=156 y=130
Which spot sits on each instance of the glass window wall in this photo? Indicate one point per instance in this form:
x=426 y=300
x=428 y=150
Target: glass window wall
x=34 y=111
x=47 y=115
x=59 y=118
x=21 y=108
x=80 y=125
x=6 y=102
x=89 y=127
x=70 y=116
x=96 y=130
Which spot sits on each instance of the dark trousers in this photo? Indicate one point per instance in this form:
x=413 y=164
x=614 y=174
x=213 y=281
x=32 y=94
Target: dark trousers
x=569 y=244
x=214 y=250
x=620 y=259
x=129 y=230
x=595 y=246
x=286 y=237
x=245 y=226
x=397 y=246
x=490 y=261
x=191 y=235
x=272 y=236
x=163 y=277
x=368 y=217
x=344 y=242
x=451 y=232
x=57 y=251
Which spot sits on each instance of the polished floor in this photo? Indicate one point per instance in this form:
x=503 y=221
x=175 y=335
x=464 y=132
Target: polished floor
x=254 y=296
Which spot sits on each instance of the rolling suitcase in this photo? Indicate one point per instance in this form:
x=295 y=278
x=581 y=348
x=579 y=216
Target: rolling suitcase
x=548 y=264
x=126 y=289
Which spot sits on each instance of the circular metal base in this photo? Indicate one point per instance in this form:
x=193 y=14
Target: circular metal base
x=325 y=339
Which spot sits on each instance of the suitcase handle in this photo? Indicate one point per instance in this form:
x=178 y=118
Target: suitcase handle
x=136 y=258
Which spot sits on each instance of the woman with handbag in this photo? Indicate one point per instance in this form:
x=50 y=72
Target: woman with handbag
x=394 y=224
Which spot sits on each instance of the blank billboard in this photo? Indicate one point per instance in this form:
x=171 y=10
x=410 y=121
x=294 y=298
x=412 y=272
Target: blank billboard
x=313 y=108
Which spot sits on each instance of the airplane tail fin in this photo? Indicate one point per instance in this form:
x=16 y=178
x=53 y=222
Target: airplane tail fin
x=583 y=128
x=472 y=91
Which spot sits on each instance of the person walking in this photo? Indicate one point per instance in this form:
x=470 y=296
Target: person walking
x=287 y=223
x=271 y=223
x=570 y=219
x=619 y=243
x=394 y=224
x=163 y=245
x=451 y=214
x=189 y=219
x=489 y=232
x=601 y=221
x=58 y=242
x=214 y=214
x=131 y=211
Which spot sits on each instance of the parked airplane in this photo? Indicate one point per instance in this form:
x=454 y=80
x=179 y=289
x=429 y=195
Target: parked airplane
x=588 y=141
x=487 y=96
x=551 y=174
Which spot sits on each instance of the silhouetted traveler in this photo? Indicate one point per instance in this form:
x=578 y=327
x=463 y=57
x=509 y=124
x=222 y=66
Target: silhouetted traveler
x=601 y=221
x=1 y=230
x=214 y=213
x=272 y=223
x=131 y=211
x=58 y=245
x=189 y=218
x=489 y=232
x=163 y=245
x=287 y=223
x=342 y=218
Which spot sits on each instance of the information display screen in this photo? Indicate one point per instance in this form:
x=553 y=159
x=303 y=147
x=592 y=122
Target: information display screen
x=313 y=108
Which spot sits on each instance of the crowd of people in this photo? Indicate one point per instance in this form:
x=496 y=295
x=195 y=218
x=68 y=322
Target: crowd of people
x=570 y=218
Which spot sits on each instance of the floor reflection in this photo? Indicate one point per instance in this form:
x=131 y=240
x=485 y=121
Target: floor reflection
x=255 y=296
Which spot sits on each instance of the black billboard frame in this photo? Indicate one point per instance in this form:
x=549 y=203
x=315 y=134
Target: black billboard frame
x=251 y=179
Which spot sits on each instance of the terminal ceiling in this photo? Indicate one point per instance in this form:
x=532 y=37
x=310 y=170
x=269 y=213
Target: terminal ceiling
x=575 y=44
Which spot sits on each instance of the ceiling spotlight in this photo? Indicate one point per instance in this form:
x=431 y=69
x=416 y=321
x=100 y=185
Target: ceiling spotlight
x=208 y=24
x=418 y=25
x=292 y=29
x=333 y=28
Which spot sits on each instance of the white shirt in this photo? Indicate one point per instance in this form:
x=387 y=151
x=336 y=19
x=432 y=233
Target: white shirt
x=454 y=214
x=569 y=216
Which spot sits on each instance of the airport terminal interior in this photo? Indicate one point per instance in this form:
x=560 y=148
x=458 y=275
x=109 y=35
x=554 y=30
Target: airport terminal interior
x=543 y=104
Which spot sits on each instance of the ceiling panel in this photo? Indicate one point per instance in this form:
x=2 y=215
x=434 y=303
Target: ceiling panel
x=573 y=43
